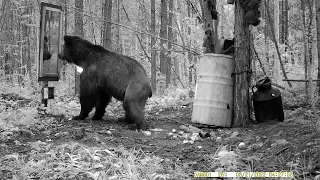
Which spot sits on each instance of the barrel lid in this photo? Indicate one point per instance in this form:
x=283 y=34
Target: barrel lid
x=266 y=95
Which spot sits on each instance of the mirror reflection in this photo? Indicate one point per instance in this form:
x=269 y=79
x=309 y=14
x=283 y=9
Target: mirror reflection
x=51 y=42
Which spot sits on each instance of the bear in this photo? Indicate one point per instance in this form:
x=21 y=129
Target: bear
x=107 y=74
x=46 y=53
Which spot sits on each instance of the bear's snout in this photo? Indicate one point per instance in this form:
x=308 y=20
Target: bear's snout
x=59 y=56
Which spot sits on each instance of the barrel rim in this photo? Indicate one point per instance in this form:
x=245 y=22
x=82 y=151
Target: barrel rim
x=217 y=55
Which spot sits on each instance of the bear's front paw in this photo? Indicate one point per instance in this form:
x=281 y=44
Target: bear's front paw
x=125 y=120
x=78 y=118
x=96 y=118
x=142 y=125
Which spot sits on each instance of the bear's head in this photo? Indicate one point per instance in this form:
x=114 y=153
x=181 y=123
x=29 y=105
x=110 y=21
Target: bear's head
x=76 y=50
x=68 y=49
x=46 y=53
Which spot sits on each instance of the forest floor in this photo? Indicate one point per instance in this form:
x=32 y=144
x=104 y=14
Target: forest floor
x=56 y=146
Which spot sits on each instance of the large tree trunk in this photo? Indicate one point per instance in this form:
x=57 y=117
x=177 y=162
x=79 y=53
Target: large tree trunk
x=78 y=32
x=153 y=52
x=107 y=41
x=242 y=60
x=318 y=39
x=164 y=35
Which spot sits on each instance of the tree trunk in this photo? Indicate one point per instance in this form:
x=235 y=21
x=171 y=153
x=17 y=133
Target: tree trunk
x=164 y=35
x=318 y=39
x=189 y=45
x=28 y=44
x=78 y=32
x=242 y=60
x=305 y=59
x=208 y=8
x=276 y=64
x=63 y=64
x=170 y=47
x=266 y=35
x=310 y=37
x=118 y=40
x=153 y=53
x=283 y=17
x=107 y=41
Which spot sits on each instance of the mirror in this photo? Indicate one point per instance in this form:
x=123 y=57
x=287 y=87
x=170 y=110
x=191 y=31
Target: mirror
x=50 y=42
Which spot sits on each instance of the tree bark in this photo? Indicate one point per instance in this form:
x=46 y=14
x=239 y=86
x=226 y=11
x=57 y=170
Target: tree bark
x=63 y=64
x=164 y=35
x=242 y=60
x=118 y=38
x=305 y=59
x=170 y=47
x=275 y=27
x=78 y=32
x=209 y=27
x=189 y=45
x=153 y=53
x=266 y=35
x=107 y=41
x=27 y=31
x=318 y=38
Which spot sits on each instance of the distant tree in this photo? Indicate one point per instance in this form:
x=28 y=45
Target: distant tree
x=118 y=42
x=170 y=47
x=79 y=32
x=153 y=52
x=107 y=35
x=317 y=2
x=63 y=65
x=163 y=35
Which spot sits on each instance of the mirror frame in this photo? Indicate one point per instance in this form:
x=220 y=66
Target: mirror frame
x=42 y=76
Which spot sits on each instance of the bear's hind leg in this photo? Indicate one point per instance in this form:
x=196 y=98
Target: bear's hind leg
x=102 y=101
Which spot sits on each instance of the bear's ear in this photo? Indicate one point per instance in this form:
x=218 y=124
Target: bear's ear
x=68 y=39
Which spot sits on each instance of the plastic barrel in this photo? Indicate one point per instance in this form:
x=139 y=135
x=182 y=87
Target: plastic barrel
x=213 y=103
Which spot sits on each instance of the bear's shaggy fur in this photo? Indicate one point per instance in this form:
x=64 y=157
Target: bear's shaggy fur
x=107 y=74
